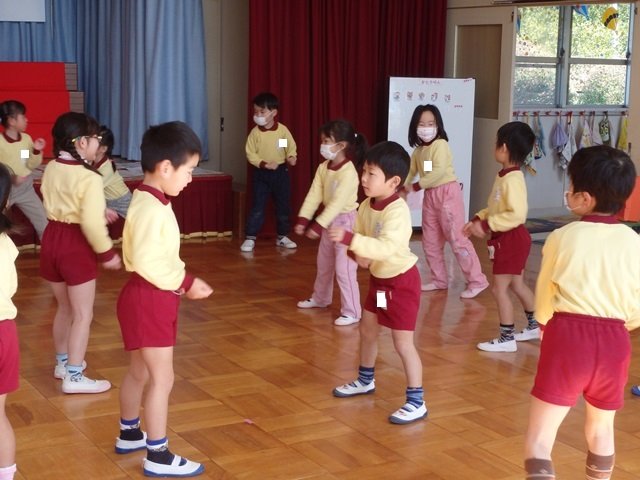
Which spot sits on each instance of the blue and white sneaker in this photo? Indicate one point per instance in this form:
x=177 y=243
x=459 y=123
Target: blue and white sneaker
x=354 y=388
x=408 y=413
x=636 y=390
x=180 y=467
x=128 y=446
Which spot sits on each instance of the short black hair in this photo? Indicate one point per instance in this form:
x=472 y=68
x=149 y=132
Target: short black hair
x=391 y=158
x=108 y=140
x=519 y=139
x=606 y=173
x=414 y=139
x=11 y=108
x=174 y=141
x=266 y=100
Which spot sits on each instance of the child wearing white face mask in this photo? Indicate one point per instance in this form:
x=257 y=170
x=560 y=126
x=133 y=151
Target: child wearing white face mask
x=335 y=186
x=271 y=149
x=443 y=207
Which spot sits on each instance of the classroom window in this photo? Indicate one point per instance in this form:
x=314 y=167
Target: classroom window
x=567 y=56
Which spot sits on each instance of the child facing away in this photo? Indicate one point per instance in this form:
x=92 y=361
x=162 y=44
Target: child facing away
x=74 y=242
x=271 y=149
x=510 y=241
x=587 y=299
x=335 y=186
x=443 y=216
x=116 y=192
x=148 y=303
x=9 y=350
x=22 y=155
x=380 y=241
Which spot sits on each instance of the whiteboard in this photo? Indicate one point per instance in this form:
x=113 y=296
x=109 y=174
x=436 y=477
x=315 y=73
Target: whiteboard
x=454 y=98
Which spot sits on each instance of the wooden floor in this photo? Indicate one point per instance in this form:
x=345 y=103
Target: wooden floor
x=252 y=397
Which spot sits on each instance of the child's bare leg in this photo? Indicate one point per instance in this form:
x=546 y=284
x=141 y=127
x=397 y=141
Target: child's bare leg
x=403 y=343
x=500 y=291
x=7 y=437
x=544 y=420
x=159 y=363
x=598 y=430
x=132 y=386
x=414 y=407
x=81 y=298
x=369 y=331
x=62 y=319
x=523 y=292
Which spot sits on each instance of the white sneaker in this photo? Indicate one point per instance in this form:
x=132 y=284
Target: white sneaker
x=527 y=334
x=188 y=469
x=496 y=346
x=473 y=292
x=78 y=383
x=248 y=245
x=430 y=287
x=61 y=369
x=354 y=388
x=286 y=242
x=344 y=320
x=128 y=446
x=408 y=413
x=310 y=303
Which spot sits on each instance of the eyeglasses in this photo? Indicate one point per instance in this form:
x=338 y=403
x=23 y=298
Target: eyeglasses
x=99 y=137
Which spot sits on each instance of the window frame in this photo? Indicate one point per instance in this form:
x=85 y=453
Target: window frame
x=563 y=62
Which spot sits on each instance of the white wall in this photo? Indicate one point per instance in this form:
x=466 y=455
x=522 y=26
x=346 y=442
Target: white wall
x=547 y=187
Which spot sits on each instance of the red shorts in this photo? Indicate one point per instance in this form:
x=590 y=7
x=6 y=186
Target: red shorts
x=9 y=357
x=511 y=250
x=580 y=354
x=66 y=256
x=148 y=316
x=402 y=294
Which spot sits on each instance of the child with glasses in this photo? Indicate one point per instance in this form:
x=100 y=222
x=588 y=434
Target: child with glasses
x=74 y=242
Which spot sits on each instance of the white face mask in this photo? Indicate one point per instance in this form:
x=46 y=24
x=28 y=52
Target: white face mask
x=566 y=202
x=260 y=121
x=427 y=134
x=325 y=151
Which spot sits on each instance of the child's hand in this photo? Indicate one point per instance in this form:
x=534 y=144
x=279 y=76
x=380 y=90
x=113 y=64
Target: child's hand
x=312 y=234
x=402 y=193
x=39 y=144
x=111 y=215
x=475 y=229
x=298 y=229
x=199 y=289
x=363 y=262
x=336 y=234
x=292 y=160
x=271 y=165
x=114 y=264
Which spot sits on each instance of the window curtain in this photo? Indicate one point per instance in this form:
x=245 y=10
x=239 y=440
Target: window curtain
x=328 y=59
x=140 y=62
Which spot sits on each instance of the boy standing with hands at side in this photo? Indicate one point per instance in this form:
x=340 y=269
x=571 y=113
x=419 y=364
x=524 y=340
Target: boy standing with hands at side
x=271 y=149
x=148 y=303
x=380 y=241
x=587 y=299
x=510 y=241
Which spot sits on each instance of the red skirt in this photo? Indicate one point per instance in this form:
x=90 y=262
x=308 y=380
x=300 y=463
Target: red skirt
x=402 y=295
x=148 y=316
